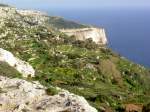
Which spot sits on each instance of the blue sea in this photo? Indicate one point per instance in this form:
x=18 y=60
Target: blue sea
x=128 y=30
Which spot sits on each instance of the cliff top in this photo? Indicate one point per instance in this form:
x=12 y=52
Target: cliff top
x=4 y=5
x=86 y=29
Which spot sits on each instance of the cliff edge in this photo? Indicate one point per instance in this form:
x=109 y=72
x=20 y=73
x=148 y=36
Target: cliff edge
x=98 y=35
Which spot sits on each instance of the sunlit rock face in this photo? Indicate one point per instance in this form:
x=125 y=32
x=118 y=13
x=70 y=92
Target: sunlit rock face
x=21 y=66
x=98 y=35
x=17 y=95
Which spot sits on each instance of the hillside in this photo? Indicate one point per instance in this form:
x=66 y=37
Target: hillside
x=105 y=79
x=3 y=5
x=61 y=23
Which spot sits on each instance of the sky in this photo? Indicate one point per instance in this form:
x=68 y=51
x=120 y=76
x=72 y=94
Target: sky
x=62 y=4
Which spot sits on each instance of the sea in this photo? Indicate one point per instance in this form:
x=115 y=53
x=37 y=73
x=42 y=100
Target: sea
x=127 y=30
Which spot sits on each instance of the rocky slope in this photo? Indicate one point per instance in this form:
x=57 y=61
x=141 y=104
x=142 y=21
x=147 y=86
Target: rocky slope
x=24 y=68
x=106 y=80
x=17 y=95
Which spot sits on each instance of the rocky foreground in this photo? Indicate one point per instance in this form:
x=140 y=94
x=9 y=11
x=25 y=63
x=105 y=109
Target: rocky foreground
x=17 y=95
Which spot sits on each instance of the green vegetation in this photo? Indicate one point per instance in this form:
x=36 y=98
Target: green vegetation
x=1 y=90
x=3 y=5
x=60 y=23
x=52 y=91
x=6 y=70
x=103 y=77
x=146 y=108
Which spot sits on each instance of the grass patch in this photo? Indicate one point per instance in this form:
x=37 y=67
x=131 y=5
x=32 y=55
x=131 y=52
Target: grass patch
x=52 y=91
x=7 y=70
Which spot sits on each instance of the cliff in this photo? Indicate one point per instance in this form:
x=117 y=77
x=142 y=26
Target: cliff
x=81 y=32
x=98 y=35
x=106 y=80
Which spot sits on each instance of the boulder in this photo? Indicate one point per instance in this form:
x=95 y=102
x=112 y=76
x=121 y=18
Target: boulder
x=17 y=95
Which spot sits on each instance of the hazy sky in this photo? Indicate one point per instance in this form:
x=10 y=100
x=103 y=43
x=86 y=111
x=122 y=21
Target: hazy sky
x=79 y=3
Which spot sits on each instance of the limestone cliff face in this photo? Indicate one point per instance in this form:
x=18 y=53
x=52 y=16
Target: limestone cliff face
x=98 y=35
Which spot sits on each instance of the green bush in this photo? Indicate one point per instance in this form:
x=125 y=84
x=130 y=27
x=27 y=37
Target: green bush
x=6 y=70
x=52 y=91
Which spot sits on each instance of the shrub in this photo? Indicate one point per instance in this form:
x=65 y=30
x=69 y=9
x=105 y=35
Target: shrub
x=6 y=70
x=51 y=91
x=146 y=108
